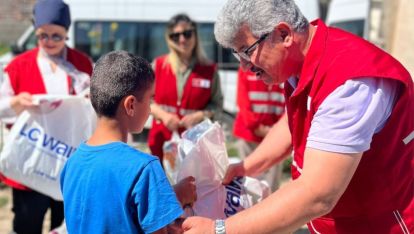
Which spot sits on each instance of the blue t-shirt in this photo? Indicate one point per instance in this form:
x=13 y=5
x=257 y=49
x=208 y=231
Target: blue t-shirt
x=115 y=188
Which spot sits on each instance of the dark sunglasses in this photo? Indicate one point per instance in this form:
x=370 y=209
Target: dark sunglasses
x=176 y=36
x=54 y=37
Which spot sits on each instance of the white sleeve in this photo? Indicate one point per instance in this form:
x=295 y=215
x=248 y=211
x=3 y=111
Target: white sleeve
x=348 y=118
x=6 y=93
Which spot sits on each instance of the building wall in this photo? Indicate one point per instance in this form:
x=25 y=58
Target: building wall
x=15 y=17
x=400 y=41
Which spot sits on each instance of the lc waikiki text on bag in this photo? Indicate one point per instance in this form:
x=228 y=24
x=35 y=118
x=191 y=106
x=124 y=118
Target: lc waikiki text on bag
x=43 y=138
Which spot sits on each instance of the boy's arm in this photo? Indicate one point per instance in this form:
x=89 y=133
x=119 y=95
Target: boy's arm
x=155 y=200
x=175 y=227
x=185 y=190
x=161 y=231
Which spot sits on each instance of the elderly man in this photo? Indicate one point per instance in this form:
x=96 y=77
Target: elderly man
x=350 y=121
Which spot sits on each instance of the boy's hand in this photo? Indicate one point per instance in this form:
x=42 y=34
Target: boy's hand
x=171 y=121
x=185 y=191
x=21 y=102
x=175 y=227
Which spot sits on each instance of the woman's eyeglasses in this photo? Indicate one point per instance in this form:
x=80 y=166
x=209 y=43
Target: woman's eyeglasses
x=54 y=37
x=176 y=36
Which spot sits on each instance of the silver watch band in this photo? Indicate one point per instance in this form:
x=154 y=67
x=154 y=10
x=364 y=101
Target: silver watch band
x=220 y=226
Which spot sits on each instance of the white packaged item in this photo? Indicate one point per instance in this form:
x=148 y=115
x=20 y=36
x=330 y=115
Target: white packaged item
x=203 y=155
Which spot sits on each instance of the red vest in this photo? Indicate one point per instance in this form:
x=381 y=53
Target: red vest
x=379 y=198
x=196 y=95
x=258 y=104
x=25 y=76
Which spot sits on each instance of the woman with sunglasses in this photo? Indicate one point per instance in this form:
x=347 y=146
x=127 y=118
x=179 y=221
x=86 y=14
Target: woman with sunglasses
x=50 y=68
x=187 y=86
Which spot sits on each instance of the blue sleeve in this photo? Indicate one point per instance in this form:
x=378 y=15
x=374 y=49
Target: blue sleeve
x=156 y=203
x=62 y=178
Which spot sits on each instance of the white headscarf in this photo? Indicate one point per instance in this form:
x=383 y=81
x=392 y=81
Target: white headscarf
x=80 y=80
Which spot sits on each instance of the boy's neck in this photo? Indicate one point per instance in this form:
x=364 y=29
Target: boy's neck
x=108 y=130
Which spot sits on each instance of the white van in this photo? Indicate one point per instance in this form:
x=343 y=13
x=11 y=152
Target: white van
x=137 y=26
x=350 y=15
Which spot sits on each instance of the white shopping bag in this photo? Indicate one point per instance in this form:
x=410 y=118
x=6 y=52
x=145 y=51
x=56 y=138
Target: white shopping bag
x=43 y=138
x=203 y=154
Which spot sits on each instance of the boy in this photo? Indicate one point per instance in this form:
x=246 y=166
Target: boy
x=107 y=186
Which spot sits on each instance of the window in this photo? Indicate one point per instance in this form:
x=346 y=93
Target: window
x=145 y=39
x=356 y=26
x=30 y=43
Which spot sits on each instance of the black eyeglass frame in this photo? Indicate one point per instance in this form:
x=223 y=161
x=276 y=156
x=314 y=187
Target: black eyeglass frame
x=245 y=54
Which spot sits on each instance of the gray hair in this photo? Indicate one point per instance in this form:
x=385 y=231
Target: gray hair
x=261 y=16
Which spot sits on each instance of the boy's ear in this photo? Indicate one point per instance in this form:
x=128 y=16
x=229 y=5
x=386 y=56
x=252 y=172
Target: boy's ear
x=129 y=105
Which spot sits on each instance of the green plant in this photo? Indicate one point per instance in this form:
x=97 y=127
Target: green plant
x=232 y=152
x=3 y=201
x=4 y=48
x=286 y=165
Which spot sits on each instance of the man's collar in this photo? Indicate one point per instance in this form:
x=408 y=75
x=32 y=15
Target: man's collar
x=313 y=56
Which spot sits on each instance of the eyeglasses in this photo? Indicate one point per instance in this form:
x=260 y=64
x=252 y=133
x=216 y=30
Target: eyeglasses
x=54 y=37
x=176 y=36
x=245 y=54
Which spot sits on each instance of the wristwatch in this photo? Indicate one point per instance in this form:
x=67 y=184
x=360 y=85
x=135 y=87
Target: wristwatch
x=220 y=226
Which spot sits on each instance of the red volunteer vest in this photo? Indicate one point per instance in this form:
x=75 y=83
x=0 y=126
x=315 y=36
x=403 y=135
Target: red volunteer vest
x=379 y=198
x=25 y=76
x=196 y=95
x=258 y=104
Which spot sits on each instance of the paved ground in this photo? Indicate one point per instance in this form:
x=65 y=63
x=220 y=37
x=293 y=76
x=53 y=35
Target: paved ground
x=6 y=215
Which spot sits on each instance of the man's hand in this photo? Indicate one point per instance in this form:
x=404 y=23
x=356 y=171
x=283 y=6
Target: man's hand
x=21 y=102
x=185 y=191
x=192 y=119
x=198 y=225
x=234 y=170
x=171 y=121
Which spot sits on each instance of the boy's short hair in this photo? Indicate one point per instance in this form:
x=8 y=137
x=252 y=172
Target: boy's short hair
x=115 y=76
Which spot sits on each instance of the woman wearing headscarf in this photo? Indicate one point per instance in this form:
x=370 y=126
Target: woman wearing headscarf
x=50 y=68
x=187 y=86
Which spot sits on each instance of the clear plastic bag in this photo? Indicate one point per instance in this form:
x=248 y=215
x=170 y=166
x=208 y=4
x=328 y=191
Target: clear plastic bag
x=171 y=161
